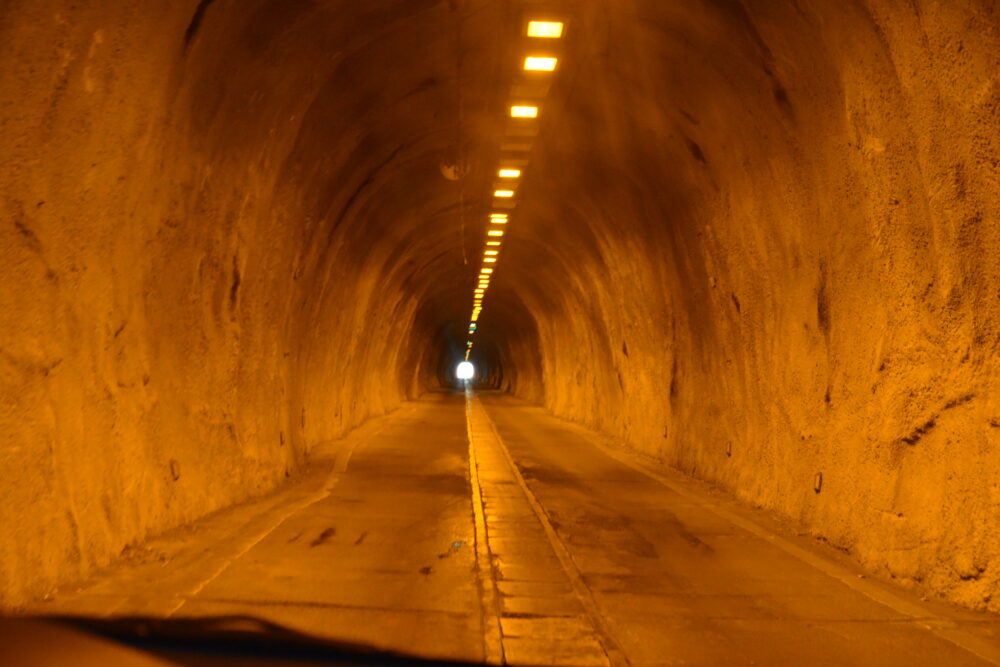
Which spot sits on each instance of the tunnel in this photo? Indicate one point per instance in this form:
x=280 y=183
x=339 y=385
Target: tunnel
x=753 y=246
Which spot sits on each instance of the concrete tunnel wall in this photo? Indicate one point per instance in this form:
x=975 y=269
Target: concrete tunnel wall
x=768 y=229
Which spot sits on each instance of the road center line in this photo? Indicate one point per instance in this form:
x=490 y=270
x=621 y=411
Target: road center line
x=477 y=414
x=492 y=644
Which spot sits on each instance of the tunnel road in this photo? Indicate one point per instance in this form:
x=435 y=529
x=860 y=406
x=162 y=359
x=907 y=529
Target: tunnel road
x=548 y=549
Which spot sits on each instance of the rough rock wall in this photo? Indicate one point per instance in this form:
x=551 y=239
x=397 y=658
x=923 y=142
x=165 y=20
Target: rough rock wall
x=202 y=248
x=773 y=229
x=763 y=228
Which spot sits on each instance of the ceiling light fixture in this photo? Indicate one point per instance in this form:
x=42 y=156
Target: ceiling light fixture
x=540 y=63
x=545 y=29
x=523 y=111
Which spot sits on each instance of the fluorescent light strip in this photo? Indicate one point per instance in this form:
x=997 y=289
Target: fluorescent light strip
x=540 y=63
x=545 y=29
x=523 y=111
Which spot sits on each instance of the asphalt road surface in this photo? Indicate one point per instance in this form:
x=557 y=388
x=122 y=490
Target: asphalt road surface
x=481 y=528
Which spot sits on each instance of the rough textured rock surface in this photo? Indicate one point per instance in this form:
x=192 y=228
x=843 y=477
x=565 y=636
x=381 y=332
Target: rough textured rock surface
x=785 y=240
x=218 y=222
x=763 y=228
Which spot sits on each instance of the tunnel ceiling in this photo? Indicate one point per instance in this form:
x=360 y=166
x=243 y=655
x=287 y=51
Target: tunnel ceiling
x=755 y=241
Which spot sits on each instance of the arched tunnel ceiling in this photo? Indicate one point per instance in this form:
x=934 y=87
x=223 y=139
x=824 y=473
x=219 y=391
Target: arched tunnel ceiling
x=764 y=227
x=379 y=121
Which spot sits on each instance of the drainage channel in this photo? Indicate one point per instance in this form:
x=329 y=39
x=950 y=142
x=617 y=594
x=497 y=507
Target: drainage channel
x=536 y=607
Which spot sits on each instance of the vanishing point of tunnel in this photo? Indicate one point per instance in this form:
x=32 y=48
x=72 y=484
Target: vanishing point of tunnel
x=727 y=272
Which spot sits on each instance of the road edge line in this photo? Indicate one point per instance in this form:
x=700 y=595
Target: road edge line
x=944 y=628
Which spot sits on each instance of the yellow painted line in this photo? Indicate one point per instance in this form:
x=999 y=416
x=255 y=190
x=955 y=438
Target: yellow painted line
x=489 y=598
x=340 y=463
x=592 y=609
x=919 y=615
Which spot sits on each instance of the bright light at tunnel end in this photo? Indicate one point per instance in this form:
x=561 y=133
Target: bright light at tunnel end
x=465 y=370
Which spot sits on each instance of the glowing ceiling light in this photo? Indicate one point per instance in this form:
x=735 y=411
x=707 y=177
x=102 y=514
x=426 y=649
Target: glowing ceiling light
x=540 y=63
x=503 y=193
x=486 y=271
x=498 y=221
x=519 y=111
x=498 y=216
x=490 y=253
x=509 y=173
x=479 y=290
x=475 y=317
x=493 y=243
x=547 y=29
x=489 y=259
x=495 y=232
